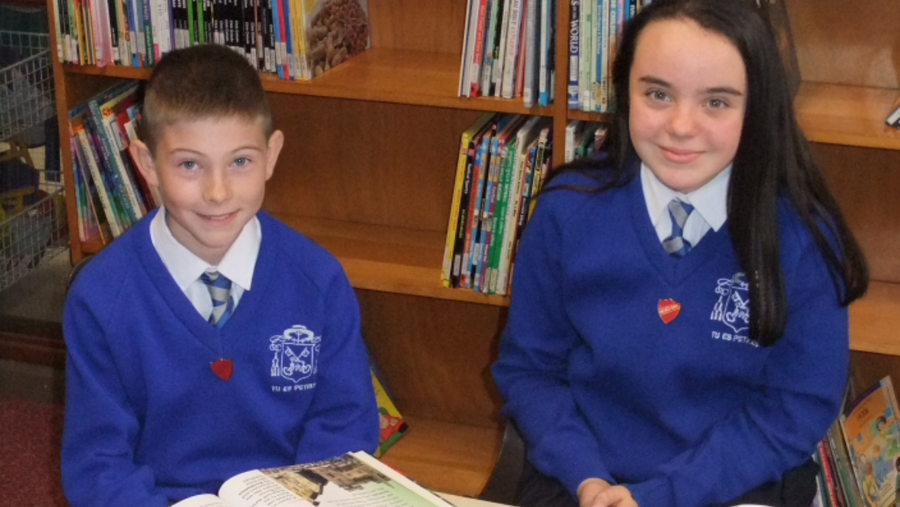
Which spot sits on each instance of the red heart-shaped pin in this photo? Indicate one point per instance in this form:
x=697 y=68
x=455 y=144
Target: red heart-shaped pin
x=668 y=309
x=222 y=368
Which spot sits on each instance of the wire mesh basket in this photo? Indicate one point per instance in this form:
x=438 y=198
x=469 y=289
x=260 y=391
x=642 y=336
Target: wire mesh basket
x=32 y=204
x=26 y=81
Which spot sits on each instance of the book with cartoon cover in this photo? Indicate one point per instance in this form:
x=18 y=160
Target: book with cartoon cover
x=872 y=433
x=353 y=480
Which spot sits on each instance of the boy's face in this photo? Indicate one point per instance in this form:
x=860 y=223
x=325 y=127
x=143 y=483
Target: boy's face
x=211 y=174
x=688 y=93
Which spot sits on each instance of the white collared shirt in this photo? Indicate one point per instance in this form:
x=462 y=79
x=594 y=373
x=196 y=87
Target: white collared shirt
x=710 y=205
x=185 y=267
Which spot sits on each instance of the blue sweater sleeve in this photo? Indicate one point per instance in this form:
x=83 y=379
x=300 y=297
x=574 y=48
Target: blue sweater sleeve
x=343 y=416
x=531 y=371
x=98 y=467
x=797 y=399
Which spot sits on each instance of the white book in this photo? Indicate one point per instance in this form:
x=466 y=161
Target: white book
x=512 y=49
x=465 y=72
x=529 y=88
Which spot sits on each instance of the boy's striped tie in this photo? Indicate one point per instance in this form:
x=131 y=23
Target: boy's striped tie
x=675 y=244
x=220 y=291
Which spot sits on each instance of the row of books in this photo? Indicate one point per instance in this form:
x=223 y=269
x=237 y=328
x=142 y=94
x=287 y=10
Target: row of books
x=860 y=456
x=508 y=50
x=584 y=139
x=110 y=193
x=503 y=161
x=295 y=39
x=594 y=28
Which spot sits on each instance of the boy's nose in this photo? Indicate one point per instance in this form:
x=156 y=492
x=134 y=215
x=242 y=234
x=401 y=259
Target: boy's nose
x=217 y=188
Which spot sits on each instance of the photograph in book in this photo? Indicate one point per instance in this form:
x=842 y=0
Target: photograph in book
x=353 y=480
x=335 y=31
x=872 y=434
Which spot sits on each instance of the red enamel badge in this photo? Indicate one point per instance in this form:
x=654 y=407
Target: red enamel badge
x=668 y=309
x=222 y=368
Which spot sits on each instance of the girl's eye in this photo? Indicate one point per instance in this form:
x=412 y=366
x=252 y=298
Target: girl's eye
x=717 y=103
x=657 y=95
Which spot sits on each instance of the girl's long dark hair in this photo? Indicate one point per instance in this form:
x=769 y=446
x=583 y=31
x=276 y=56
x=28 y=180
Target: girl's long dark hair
x=773 y=160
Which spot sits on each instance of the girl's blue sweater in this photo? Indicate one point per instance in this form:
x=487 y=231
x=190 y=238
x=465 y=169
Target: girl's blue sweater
x=686 y=414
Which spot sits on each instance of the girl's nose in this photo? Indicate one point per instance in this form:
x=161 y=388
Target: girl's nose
x=683 y=121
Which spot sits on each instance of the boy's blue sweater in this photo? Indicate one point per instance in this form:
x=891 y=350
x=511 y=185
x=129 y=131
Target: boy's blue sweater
x=147 y=421
x=686 y=414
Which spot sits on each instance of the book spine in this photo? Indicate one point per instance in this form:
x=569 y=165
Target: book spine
x=462 y=220
x=475 y=75
x=500 y=57
x=455 y=204
x=499 y=222
x=490 y=48
x=530 y=54
x=99 y=183
x=573 y=94
x=545 y=48
x=113 y=163
x=473 y=227
x=893 y=119
x=586 y=65
x=512 y=47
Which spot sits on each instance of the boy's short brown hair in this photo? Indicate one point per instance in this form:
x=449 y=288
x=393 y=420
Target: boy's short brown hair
x=199 y=82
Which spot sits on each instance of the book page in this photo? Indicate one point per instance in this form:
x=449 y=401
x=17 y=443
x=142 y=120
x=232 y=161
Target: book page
x=344 y=481
x=202 y=501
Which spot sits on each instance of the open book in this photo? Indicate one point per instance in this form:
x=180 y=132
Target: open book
x=353 y=480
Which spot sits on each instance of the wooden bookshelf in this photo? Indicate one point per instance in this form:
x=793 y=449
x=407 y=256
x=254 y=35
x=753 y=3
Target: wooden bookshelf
x=368 y=168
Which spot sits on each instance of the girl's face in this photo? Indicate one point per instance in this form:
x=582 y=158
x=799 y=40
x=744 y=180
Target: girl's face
x=688 y=91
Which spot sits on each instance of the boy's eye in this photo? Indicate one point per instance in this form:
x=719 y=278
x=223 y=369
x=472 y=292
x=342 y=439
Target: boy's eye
x=190 y=165
x=241 y=161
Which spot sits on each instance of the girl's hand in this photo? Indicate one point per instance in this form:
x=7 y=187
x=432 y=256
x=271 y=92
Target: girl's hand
x=599 y=493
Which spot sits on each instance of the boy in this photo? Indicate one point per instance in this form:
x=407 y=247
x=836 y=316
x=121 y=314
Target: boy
x=210 y=339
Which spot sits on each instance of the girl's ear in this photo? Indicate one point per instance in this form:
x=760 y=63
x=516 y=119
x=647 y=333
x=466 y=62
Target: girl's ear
x=142 y=157
x=276 y=142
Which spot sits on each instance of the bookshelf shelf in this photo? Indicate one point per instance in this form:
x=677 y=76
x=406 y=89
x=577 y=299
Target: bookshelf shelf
x=462 y=456
x=874 y=320
x=388 y=259
x=419 y=78
x=847 y=115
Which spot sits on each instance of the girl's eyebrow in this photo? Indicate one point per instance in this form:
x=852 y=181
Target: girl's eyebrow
x=727 y=90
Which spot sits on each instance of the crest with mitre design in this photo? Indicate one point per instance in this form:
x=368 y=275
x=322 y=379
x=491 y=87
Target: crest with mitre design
x=296 y=353
x=733 y=306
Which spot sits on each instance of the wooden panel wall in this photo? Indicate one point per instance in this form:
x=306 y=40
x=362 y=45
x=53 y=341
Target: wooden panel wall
x=845 y=42
x=866 y=183
x=422 y=25
x=436 y=355
x=366 y=162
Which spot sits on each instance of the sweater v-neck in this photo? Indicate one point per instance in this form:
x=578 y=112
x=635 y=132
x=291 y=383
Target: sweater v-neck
x=670 y=268
x=211 y=336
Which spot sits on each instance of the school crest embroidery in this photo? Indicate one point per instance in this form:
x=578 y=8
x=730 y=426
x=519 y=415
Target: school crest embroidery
x=733 y=306
x=296 y=353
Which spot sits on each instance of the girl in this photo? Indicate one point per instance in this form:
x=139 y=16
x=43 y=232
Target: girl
x=678 y=329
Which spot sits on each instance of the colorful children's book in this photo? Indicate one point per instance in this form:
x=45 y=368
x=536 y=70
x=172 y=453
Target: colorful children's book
x=872 y=433
x=355 y=478
x=392 y=424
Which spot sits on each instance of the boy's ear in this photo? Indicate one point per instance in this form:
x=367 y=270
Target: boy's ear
x=276 y=142
x=141 y=155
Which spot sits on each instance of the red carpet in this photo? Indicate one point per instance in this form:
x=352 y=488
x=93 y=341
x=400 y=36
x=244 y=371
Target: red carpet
x=30 y=435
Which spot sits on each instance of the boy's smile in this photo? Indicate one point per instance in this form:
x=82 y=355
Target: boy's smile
x=211 y=174
x=687 y=94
